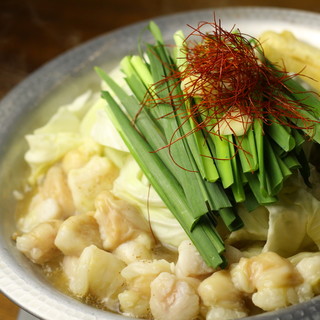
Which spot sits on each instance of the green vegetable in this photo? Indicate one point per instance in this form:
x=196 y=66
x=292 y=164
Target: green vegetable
x=202 y=233
x=201 y=175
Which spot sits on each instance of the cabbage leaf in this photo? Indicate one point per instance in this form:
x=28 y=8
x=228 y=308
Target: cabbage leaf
x=133 y=186
x=60 y=134
x=287 y=227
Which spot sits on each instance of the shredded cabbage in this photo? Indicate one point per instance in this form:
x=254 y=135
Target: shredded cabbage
x=287 y=227
x=97 y=124
x=61 y=134
x=132 y=186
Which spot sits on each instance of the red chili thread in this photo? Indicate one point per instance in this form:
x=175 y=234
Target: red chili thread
x=224 y=71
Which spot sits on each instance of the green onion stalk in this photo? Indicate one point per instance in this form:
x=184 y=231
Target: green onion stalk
x=201 y=173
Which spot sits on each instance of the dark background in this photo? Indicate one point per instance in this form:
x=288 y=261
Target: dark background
x=33 y=32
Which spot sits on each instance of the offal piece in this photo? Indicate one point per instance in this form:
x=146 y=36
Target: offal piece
x=273 y=281
x=173 y=298
x=90 y=180
x=38 y=244
x=118 y=220
x=309 y=269
x=76 y=233
x=190 y=263
x=134 y=301
x=140 y=248
x=222 y=298
x=96 y=272
x=55 y=186
x=40 y=210
x=133 y=305
x=52 y=201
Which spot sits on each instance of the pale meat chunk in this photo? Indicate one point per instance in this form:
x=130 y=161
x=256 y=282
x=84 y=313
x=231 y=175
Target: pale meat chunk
x=39 y=210
x=90 y=180
x=55 y=186
x=173 y=298
x=98 y=273
x=76 y=233
x=219 y=292
x=134 y=301
x=273 y=281
x=38 y=244
x=52 y=201
x=139 y=248
x=309 y=268
x=190 y=262
x=134 y=305
x=118 y=220
x=264 y=270
x=140 y=274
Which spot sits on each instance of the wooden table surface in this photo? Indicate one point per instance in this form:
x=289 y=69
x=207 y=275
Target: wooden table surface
x=33 y=32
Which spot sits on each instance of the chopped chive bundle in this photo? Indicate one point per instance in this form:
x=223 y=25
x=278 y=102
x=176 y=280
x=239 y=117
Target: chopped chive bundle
x=199 y=173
